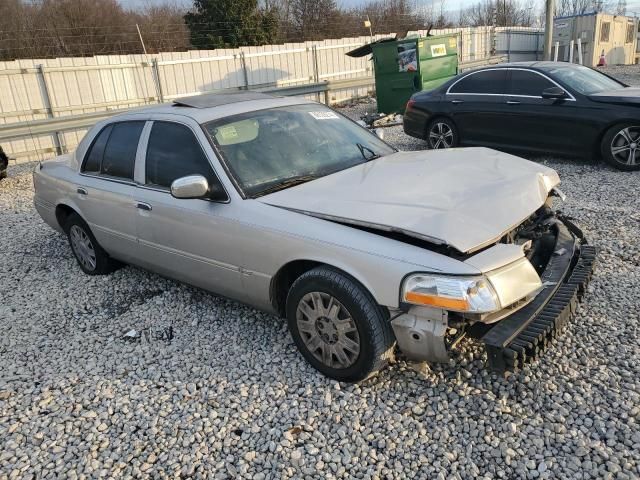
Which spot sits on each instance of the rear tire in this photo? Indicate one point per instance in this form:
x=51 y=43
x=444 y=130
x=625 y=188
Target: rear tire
x=337 y=325
x=620 y=146
x=91 y=257
x=442 y=133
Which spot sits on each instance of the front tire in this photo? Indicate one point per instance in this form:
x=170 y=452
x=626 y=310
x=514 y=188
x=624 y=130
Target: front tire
x=620 y=147
x=337 y=325
x=442 y=133
x=91 y=257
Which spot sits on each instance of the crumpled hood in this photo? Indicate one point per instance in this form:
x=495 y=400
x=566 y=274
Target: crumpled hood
x=465 y=197
x=627 y=96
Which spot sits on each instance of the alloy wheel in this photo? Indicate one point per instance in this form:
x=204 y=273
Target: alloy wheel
x=625 y=145
x=328 y=330
x=82 y=247
x=440 y=136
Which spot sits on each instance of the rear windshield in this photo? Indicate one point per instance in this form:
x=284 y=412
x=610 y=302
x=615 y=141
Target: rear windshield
x=584 y=80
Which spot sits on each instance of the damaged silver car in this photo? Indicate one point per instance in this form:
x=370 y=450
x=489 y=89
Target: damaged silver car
x=285 y=204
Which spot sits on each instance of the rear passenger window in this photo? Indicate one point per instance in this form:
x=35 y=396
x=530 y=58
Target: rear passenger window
x=120 y=153
x=96 y=151
x=485 y=82
x=113 y=152
x=174 y=152
x=528 y=83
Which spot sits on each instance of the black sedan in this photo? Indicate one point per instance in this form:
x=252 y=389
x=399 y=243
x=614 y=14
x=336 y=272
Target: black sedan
x=549 y=107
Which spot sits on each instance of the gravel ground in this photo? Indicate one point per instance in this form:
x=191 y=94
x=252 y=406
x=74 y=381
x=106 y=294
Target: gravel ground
x=229 y=396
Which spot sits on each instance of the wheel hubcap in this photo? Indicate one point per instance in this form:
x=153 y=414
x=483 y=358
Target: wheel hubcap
x=440 y=136
x=624 y=145
x=327 y=330
x=82 y=247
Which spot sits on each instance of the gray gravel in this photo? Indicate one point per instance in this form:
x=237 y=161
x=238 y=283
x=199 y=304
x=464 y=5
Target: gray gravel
x=229 y=396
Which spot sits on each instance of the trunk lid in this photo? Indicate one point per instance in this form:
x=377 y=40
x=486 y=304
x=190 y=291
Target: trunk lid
x=466 y=198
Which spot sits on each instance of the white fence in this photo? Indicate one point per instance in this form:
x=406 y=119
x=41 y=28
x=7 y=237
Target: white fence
x=32 y=90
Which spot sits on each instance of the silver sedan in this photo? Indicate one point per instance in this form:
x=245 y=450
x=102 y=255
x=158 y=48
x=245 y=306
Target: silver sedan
x=285 y=204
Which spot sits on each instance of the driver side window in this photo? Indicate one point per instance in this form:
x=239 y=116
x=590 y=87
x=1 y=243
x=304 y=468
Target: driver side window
x=173 y=152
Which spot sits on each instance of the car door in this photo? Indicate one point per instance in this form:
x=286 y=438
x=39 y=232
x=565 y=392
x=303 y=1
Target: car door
x=477 y=106
x=535 y=123
x=192 y=240
x=105 y=193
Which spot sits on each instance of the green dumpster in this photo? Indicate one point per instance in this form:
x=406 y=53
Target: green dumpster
x=404 y=67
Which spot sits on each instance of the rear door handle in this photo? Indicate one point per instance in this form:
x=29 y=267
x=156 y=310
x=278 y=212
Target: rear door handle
x=81 y=191
x=455 y=102
x=513 y=102
x=143 y=206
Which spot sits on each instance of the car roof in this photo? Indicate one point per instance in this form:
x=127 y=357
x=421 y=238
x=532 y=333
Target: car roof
x=533 y=65
x=212 y=106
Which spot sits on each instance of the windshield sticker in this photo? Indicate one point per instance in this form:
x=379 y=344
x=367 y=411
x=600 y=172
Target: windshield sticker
x=228 y=132
x=324 y=115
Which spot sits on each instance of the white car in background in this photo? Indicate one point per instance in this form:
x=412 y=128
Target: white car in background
x=284 y=204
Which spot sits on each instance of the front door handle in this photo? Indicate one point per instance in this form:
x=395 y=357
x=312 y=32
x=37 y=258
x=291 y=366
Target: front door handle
x=455 y=102
x=81 y=191
x=513 y=102
x=143 y=206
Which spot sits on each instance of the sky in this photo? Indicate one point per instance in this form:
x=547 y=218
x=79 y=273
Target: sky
x=633 y=6
x=452 y=5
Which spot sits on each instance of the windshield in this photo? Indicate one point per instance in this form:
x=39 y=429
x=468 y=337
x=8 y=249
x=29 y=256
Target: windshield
x=272 y=149
x=583 y=79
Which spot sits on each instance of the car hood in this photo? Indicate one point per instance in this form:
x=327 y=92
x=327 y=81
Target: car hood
x=629 y=95
x=466 y=197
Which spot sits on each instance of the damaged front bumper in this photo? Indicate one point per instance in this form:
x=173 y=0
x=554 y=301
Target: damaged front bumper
x=521 y=336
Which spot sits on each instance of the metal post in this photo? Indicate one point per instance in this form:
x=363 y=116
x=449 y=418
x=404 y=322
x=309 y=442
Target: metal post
x=58 y=140
x=144 y=49
x=555 y=55
x=509 y=45
x=548 y=29
x=316 y=70
x=157 y=81
x=245 y=74
x=571 y=43
x=580 y=51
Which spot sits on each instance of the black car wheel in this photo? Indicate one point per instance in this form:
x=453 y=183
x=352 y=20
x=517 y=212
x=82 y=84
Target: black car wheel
x=621 y=147
x=91 y=257
x=442 y=133
x=337 y=326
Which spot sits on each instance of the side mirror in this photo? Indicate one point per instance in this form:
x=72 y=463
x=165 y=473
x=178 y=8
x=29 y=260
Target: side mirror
x=554 y=93
x=379 y=133
x=192 y=186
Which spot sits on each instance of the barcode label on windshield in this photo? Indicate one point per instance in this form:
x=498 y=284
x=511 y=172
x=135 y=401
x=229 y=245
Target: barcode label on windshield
x=323 y=115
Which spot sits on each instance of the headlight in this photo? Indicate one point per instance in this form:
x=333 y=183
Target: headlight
x=460 y=294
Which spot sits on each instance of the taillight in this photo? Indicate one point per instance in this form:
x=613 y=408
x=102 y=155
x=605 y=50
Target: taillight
x=410 y=104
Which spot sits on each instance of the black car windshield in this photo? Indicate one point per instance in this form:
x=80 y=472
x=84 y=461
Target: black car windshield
x=584 y=80
x=268 y=150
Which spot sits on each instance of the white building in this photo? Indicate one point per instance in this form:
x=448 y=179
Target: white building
x=614 y=35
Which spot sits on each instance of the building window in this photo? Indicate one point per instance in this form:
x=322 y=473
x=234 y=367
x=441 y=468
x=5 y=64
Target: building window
x=605 y=29
x=630 y=33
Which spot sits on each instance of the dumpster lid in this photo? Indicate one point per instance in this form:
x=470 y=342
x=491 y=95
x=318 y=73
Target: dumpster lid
x=366 y=49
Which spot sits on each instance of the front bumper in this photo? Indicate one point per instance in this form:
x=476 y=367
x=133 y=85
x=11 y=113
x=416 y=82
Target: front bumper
x=523 y=336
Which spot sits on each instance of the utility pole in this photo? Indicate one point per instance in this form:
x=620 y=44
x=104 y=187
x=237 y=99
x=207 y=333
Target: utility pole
x=548 y=29
x=144 y=49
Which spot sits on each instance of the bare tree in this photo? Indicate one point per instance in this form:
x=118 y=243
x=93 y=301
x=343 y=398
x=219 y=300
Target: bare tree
x=502 y=13
x=162 y=27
